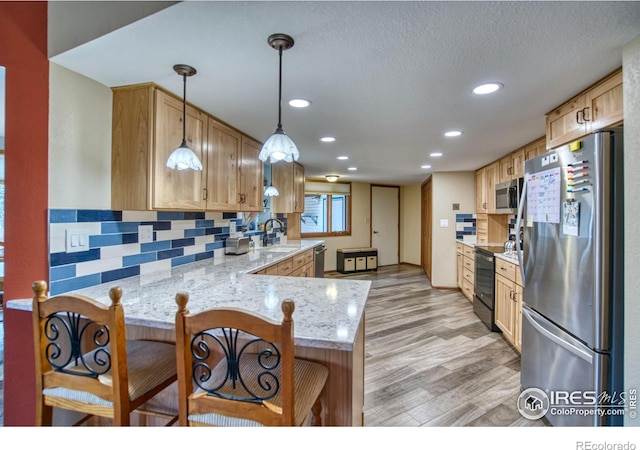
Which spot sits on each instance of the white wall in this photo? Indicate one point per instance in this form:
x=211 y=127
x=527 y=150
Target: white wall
x=79 y=141
x=410 y=219
x=631 y=86
x=448 y=188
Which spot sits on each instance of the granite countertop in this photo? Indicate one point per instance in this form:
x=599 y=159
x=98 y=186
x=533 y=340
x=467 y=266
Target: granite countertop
x=328 y=311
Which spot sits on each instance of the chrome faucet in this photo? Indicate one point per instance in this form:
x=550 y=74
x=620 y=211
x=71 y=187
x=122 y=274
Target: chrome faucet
x=265 y=240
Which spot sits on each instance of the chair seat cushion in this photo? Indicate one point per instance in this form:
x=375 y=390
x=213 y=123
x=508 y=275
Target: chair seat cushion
x=309 y=380
x=149 y=363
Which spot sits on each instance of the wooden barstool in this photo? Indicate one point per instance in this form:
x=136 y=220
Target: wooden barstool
x=236 y=368
x=84 y=362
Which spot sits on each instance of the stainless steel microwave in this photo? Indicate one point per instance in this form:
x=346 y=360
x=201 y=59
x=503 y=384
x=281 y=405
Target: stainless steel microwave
x=508 y=196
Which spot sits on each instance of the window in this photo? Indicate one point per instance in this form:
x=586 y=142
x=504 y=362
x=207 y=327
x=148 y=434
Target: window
x=327 y=209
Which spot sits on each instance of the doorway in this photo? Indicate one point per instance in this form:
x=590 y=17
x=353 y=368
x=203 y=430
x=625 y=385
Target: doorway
x=426 y=244
x=385 y=223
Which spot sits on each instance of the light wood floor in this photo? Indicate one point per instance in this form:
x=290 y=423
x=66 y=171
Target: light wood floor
x=430 y=361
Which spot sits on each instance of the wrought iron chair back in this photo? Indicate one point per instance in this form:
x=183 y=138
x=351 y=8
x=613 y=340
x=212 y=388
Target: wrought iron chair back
x=237 y=369
x=82 y=358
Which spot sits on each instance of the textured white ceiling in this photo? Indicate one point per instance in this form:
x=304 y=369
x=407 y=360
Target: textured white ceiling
x=387 y=79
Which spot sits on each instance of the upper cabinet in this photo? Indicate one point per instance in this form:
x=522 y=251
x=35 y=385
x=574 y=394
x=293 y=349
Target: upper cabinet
x=486 y=180
x=535 y=148
x=512 y=166
x=251 y=174
x=288 y=178
x=147 y=127
x=597 y=107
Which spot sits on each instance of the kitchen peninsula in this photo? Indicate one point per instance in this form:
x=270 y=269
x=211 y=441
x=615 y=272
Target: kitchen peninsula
x=328 y=317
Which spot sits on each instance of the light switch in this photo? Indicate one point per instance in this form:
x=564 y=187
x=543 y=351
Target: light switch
x=444 y=223
x=76 y=240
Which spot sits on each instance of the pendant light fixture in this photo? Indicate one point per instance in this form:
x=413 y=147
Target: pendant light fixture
x=183 y=157
x=279 y=146
x=271 y=191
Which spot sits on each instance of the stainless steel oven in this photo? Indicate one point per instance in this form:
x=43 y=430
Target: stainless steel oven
x=484 y=301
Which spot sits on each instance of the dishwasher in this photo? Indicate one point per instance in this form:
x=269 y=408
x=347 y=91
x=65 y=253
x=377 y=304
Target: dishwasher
x=318 y=260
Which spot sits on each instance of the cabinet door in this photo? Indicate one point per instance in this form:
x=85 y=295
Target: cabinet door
x=605 y=103
x=505 y=167
x=566 y=123
x=222 y=167
x=517 y=158
x=505 y=306
x=251 y=175
x=491 y=179
x=536 y=148
x=177 y=189
x=298 y=188
x=481 y=190
x=517 y=332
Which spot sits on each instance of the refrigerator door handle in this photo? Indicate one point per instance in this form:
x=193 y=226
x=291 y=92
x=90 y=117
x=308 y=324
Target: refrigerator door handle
x=562 y=343
x=518 y=221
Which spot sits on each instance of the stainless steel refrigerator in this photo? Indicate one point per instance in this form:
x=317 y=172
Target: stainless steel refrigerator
x=571 y=214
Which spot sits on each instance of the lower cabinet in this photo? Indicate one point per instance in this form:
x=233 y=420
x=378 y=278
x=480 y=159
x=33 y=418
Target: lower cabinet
x=300 y=265
x=357 y=259
x=508 y=302
x=466 y=270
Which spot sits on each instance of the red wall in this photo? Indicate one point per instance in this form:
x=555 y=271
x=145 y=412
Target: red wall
x=23 y=52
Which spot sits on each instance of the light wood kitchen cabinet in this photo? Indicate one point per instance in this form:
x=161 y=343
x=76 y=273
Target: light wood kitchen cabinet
x=535 y=148
x=597 y=107
x=288 y=178
x=466 y=270
x=300 y=265
x=251 y=176
x=147 y=127
x=511 y=166
x=486 y=180
x=508 y=301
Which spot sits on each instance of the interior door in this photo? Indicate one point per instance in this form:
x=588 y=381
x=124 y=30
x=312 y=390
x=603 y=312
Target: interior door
x=426 y=244
x=385 y=220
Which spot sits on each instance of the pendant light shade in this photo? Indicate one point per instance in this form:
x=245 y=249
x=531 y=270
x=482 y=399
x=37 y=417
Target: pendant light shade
x=271 y=191
x=183 y=157
x=279 y=146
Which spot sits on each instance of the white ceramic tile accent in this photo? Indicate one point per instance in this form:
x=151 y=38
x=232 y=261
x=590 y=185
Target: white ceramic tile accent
x=168 y=235
x=97 y=266
x=139 y=216
x=113 y=251
x=193 y=249
x=209 y=215
x=183 y=224
x=201 y=240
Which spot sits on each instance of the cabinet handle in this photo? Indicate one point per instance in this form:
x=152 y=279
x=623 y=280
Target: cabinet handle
x=206 y=193
x=511 y=295
x=585 y=116
x=581 y=111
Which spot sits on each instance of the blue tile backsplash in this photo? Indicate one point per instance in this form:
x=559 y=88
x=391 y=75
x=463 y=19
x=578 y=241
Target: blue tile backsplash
x=465 y=225
x=115 y=252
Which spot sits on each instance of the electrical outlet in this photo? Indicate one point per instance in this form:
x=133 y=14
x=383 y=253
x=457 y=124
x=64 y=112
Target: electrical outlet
x=145 y=234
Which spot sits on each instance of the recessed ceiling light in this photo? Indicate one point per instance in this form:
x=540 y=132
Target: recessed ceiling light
x=342 y=157
x=426 y=166
x=328 y=139
x=453 y=133
x=353 y=168
x=436 y=154
x=487 y=88
x=299 y=103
